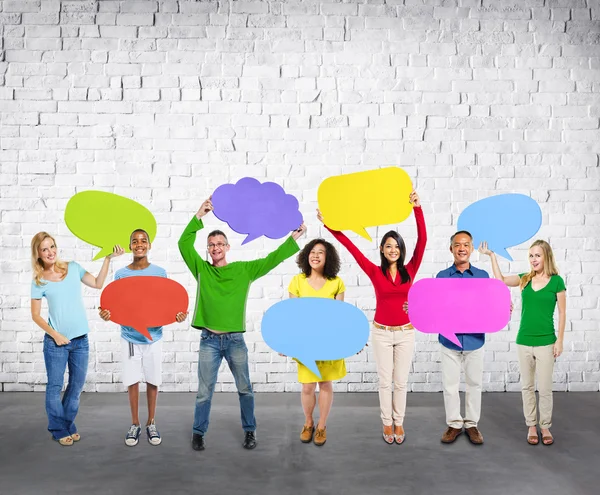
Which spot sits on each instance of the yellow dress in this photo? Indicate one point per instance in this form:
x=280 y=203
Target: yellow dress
x=330 y=370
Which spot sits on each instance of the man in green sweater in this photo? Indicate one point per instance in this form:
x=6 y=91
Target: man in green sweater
x=220 y=314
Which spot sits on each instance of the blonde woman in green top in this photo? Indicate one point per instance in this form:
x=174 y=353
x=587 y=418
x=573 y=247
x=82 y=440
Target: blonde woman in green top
x=542 y=289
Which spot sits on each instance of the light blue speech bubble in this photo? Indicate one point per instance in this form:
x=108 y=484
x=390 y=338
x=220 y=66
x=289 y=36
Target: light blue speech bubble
x=315 y=329
x=503 y=221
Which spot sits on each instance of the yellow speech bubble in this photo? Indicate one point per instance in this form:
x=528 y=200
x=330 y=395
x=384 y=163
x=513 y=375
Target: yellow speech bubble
x=365 y=199
x=105 y=219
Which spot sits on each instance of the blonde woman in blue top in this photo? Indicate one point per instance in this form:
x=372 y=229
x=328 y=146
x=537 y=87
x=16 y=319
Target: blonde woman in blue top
x=65 y=342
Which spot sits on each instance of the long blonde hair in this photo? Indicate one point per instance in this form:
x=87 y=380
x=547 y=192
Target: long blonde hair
x=36 y=262
x=549 y=263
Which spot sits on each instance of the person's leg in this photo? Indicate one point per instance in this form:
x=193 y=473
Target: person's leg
x=544 y=356
x=209 y=359
x=131 y=376
x=133 y=392
x=152 y=365
x=309 y=401
x=451 y=365
x=78 y=365
x=383 y=351
x=236 y=354
x=473 y=365
x=527 y=370
x=55 y=358
x=404 y=346
x=152 y=396
x=325 y=403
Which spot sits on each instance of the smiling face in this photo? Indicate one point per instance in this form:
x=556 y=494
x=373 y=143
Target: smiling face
x=217 y=248
x=461 y=248
x=391 y=250
x=47 y=252
x=536 y=259
x=317 y=257
x=139 y=244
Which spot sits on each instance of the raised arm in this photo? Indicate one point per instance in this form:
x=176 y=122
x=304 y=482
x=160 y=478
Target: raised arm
x=510 y=280
x=417 y=257
x=98 y=282
x=188 y=238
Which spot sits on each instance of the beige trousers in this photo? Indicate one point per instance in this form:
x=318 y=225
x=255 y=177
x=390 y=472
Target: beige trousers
x=472 y=363
x=393 y=355
x=541 y=360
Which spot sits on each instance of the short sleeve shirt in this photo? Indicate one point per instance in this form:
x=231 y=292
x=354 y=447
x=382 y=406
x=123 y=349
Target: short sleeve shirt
x=66 y=312
x=300 y=287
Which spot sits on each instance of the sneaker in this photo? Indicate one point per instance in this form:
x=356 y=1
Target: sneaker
x=133 y=435
x=153 y=435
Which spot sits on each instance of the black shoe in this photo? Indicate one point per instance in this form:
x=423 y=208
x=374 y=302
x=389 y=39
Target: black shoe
x=249 y=440
x=197 y=442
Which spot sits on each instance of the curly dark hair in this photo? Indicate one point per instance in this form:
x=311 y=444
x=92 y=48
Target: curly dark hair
x=332 y=259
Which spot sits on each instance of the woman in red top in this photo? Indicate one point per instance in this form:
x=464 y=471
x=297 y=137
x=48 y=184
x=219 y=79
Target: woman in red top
x=392 y=336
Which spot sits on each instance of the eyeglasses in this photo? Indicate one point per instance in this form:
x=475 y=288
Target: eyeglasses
x=219 y=245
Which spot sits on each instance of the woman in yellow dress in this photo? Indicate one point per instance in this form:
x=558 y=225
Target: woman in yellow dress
x=320 y=264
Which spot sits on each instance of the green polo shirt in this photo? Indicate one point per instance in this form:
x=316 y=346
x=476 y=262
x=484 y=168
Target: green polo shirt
x=223 y=291
x=537 y=313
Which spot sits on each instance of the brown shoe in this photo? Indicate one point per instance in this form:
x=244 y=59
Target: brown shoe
x=307 y=434
x=474 y=435
x=320 y=437
x=451 y=434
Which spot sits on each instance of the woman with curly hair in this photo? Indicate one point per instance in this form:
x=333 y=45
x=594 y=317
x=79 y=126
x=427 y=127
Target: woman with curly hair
x=320 y=264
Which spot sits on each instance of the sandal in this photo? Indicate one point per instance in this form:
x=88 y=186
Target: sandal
x=389 y=439
x=547 y=439
x=66 y=441
x=533 y=440
x=76 y=437
x=399 y=438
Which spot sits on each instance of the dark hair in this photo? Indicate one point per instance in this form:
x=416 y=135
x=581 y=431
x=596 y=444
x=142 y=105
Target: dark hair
x=460 y=232
x=139 y=230
x=385 y=264
x=217 y=232
x=332 y=259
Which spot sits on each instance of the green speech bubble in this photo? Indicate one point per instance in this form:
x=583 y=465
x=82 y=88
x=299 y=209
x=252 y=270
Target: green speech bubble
x=105 y=219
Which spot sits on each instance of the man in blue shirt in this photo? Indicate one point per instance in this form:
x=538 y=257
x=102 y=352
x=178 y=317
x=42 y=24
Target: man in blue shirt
x=469 y=357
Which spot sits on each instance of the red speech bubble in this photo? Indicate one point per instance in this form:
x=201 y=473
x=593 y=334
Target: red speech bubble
x=144 y=302
x=450 y=306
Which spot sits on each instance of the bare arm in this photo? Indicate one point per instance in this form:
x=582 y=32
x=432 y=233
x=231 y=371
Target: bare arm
x=292 y=296
x=339 y=297
x=561 y=300
x=36 y=308
x=510 y=280
x=98 y=282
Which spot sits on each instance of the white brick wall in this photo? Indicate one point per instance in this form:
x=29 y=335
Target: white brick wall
x=163 y=101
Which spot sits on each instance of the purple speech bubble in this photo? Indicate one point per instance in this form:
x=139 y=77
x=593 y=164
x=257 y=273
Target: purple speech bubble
x=256 y=209
x=450 y=306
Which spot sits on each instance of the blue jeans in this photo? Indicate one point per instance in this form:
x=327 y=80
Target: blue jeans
x=61 y=413
x=213 y=348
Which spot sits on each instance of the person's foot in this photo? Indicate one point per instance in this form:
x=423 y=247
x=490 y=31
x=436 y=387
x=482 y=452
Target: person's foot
x=306 y=435
x=133 y=435
x=249 y=440
x=65 y=441
x=153 y=435
x=76 y=437
x=451 y=434
x=547 y=438
x=388 y=434
x=532 y=436
x=197 y=441
x=475 y=436
x=320 y=436
x=399 y=434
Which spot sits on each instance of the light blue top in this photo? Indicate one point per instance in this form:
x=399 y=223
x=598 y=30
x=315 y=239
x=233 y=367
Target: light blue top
x=66 y=313
x=131 y=334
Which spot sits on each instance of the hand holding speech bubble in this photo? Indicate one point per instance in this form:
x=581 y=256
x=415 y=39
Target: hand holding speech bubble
x=256 y=209
x=365 y=199
x=144 y=302
x=450 y=306
x=105 y=219
x=503 y=221
x=327 y=330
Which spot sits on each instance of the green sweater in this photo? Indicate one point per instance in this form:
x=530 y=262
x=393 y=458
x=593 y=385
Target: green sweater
x=223 y=291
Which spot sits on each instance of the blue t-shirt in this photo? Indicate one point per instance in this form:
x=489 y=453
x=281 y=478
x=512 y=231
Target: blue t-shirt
x=66 y=313
x=131 y=334
x=469 y=341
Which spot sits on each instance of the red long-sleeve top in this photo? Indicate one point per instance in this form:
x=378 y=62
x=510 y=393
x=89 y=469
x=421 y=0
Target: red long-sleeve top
x=390 y=294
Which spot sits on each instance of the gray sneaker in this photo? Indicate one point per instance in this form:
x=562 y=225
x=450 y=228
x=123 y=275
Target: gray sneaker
x=133 y=435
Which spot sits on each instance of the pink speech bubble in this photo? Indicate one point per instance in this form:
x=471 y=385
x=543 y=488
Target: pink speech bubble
x=450 y=306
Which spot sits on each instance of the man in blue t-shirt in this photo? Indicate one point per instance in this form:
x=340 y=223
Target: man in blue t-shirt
x=141 y=357
x=469 y=357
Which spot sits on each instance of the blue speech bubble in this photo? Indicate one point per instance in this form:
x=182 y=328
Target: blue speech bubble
x=315 y=329
x=503 y=221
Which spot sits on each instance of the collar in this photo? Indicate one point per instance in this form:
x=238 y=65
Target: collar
x=454 y=270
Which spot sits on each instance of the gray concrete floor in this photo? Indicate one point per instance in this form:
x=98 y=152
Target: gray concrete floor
x=355 y=460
